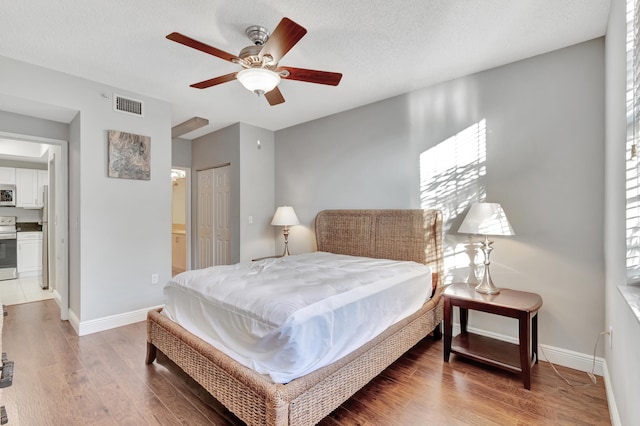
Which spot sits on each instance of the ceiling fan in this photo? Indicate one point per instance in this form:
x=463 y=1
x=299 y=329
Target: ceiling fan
x=261 y=72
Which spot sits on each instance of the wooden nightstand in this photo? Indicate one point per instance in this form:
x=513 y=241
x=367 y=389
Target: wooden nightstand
x=521 y=305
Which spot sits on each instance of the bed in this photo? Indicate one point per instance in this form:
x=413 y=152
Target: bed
x=414 y=235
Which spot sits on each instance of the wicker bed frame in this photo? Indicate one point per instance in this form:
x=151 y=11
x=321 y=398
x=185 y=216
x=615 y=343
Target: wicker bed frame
x=391 y=234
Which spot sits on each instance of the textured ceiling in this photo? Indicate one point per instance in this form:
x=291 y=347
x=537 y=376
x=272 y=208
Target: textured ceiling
x=383 y=48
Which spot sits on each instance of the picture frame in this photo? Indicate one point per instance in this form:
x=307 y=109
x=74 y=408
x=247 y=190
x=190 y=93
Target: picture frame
x=129 y=155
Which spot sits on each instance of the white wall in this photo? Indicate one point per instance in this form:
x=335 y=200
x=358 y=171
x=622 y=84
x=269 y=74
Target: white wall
x=116 y=225
x=623 y=358
x=544 y=164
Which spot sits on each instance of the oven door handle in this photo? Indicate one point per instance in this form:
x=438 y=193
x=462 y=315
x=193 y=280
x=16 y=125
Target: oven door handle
x=10 y=236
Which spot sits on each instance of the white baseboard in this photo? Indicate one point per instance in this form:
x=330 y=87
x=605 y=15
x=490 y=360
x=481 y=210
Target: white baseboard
x=57 y=297
x=107 y=323
x=613 y=408
x=29 y=274
x=559 y=356
x=74 y=321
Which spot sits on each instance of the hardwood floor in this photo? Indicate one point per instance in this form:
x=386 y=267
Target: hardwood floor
x=101 y=379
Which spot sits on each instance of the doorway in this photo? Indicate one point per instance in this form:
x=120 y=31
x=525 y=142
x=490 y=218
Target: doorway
x=58 y=217
x=180 y=220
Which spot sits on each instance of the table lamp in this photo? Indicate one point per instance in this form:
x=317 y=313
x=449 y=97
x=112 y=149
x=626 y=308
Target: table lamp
x=486 y=219
x=285 y=216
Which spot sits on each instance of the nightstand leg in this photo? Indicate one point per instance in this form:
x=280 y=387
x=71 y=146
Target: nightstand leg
x=464 y=320
x=525 y=348
x=534 y=336
x=448 y=328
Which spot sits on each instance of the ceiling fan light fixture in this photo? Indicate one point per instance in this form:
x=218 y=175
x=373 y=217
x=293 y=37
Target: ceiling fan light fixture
x=258 y=80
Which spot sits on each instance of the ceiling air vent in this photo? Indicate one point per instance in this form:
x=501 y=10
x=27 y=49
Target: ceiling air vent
x=126 y=105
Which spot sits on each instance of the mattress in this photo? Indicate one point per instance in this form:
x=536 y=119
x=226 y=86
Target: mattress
x=286 y=317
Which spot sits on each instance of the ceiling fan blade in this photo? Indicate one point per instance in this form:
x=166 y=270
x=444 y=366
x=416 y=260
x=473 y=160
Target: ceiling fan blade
x=284 y=37
x=215 y=81
x=311 y=76
x=274 y=97
x=195 y=44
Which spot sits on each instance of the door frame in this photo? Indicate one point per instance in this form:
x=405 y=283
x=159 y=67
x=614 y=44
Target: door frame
x=62 y=295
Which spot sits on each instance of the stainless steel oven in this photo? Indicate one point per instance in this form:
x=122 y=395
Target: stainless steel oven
x=8 y=248
x=7 y=195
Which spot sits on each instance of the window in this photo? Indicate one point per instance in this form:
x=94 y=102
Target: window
x=632 y=148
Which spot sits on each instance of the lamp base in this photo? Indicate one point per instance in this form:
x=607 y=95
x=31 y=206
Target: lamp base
x=285 y=231
x=487 y=288
x=486 y=285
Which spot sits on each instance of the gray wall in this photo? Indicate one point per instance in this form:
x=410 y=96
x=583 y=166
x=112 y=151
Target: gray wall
x=623 y=357
x=214 y=150
x=26 y=125
x=181 y=152
x=119 y=229
x=257 y=192
x=252 y=186
x=544 y=164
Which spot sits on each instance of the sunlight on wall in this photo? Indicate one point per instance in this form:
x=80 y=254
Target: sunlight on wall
x=451 y=180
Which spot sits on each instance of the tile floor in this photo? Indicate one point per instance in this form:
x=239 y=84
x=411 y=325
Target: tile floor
x=23 y=290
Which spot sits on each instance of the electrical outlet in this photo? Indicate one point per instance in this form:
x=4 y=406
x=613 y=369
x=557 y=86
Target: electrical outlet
x=154 y=278
x=610 y=337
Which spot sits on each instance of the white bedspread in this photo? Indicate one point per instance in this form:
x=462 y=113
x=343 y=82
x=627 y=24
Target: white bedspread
x=289 y=316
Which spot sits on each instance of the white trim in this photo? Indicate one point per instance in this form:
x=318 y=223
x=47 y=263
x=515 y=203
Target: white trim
x=611 y=400
x=74 y=321
x=107 y=323
x=31 y=138
x=558 y=356
x=57 y=297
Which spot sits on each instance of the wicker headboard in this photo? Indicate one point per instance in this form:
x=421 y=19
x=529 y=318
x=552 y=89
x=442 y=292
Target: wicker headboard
x=385 y=234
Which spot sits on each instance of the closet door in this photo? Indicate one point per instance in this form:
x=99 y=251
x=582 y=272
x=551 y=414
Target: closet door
x=221 y=193
x=205 y=254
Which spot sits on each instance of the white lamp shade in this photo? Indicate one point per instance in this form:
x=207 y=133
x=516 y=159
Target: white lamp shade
x=259 y=80
x=285 y=216
x=486 y=219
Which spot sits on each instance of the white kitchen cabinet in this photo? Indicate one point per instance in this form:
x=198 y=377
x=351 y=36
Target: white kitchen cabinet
x=43 y=179
x=29 y=254
x=27 y=188
x=7 y=176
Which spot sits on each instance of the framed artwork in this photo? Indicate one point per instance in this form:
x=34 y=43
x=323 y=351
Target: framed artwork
x=129 y=156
